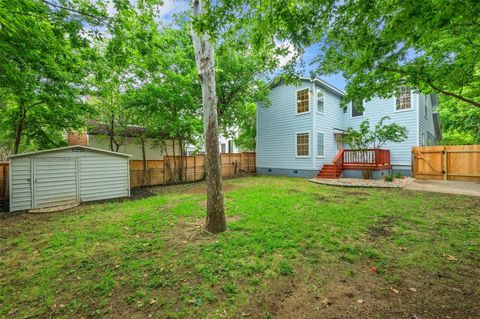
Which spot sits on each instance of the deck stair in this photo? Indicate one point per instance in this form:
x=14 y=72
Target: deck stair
x=375 y=159
x=329 y=171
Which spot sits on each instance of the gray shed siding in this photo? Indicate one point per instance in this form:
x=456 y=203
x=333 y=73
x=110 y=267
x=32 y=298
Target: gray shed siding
x=20 y=185
x=55 y=181
x=103 y=178
x=67 y=176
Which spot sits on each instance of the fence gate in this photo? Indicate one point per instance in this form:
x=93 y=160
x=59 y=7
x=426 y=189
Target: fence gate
x=455 y=162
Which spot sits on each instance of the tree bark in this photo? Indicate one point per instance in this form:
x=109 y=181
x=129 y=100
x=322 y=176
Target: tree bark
x=19 y=127
x=457 y=96
x=204 y=57
x=144 y=161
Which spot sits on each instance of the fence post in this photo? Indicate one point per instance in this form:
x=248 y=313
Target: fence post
x=445 y=165
x=194 y=167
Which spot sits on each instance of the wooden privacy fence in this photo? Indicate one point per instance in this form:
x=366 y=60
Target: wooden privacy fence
x=179 y=169
x=456 y=162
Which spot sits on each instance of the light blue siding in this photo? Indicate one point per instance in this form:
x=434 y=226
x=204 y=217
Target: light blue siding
x=425 y=118
x=277 y=126
x=377 y=108
x=326 y=123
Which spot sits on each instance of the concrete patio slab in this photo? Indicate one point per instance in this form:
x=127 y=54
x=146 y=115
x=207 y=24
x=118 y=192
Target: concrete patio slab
x=446 y=187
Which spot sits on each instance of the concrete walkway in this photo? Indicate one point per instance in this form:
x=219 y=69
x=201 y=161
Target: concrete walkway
x=447 y=187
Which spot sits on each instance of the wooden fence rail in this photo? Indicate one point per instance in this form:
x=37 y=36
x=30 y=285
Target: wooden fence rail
x=456 y=162
x=178 y=169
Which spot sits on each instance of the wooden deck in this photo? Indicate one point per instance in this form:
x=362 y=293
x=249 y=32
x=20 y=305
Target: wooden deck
x=373 y=159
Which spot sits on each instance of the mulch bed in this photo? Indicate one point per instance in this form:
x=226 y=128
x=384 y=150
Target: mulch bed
x=357 y=182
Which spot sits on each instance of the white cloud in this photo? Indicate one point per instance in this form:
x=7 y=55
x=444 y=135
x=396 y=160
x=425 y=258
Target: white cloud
x=291 y=52
x=170 y=7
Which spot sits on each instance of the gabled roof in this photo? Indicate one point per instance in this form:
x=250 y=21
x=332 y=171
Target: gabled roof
x=323 y=84
x=70 y=147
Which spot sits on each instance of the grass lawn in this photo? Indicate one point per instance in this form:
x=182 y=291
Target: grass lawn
x=294 y=249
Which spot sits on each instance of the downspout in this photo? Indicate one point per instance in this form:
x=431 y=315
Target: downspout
x=314 y=128
x=418 y=119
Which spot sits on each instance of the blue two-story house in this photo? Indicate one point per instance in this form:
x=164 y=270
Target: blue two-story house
x=300 y=133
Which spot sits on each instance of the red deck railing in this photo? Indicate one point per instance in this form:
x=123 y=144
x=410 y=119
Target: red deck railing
x=374 y=157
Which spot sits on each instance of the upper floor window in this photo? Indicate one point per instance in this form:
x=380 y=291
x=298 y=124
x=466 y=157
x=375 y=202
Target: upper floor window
x=303 y=144
x=320 y=101
x=403 y=99
x=357 y=108
x=303 y=101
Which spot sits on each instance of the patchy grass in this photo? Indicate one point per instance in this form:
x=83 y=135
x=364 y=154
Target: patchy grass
x=294 y=249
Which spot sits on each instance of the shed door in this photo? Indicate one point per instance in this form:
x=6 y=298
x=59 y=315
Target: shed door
x=55 y=182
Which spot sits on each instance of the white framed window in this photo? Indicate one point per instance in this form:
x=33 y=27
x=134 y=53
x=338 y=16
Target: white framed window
x=403 y=99
x=320 y=101
x=320 y=144
x=303 y=101
x=223 y=148
x=302 y=144
x=357 y=108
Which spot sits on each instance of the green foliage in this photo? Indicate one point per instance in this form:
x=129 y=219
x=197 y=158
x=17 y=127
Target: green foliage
x=389 y=178
x=430 y=45
x=365 y=138
x=460 y=122
x=43 y=59
x=285 y=268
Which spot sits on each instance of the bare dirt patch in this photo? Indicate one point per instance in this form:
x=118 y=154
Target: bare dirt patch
x=202 y=189
x=354 y=292
x=382 y=228
x=192 y=231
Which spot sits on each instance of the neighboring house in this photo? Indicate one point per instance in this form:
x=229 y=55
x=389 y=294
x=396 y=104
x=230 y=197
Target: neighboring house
x=226 y=145
x=97 y=136
x=301 y=131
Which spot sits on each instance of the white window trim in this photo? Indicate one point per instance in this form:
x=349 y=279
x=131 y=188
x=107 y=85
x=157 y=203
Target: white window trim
x=309 y=150
x=404 y=110
x=351 y=110
x=324 y=101
x=296 y=101
x=316 y=145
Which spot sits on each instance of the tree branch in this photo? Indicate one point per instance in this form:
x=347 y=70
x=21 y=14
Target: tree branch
x=457 y=96
x=85 y=14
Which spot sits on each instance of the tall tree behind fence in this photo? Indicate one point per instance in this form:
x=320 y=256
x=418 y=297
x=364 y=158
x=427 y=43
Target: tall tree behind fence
x=179 y=169
x=3 y=186
x=455 y=162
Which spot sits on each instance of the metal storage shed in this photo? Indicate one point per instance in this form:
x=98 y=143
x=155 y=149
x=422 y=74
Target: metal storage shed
x=67 y=175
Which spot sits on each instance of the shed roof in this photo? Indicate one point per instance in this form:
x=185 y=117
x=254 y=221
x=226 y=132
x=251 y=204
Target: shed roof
x=70 y=147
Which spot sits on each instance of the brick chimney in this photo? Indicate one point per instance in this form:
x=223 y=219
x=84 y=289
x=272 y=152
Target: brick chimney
x=74 y=138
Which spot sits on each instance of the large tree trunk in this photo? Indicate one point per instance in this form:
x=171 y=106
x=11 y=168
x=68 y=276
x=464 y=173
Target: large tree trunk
x=19 y=127
x=144 y=161
x=205 y=64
